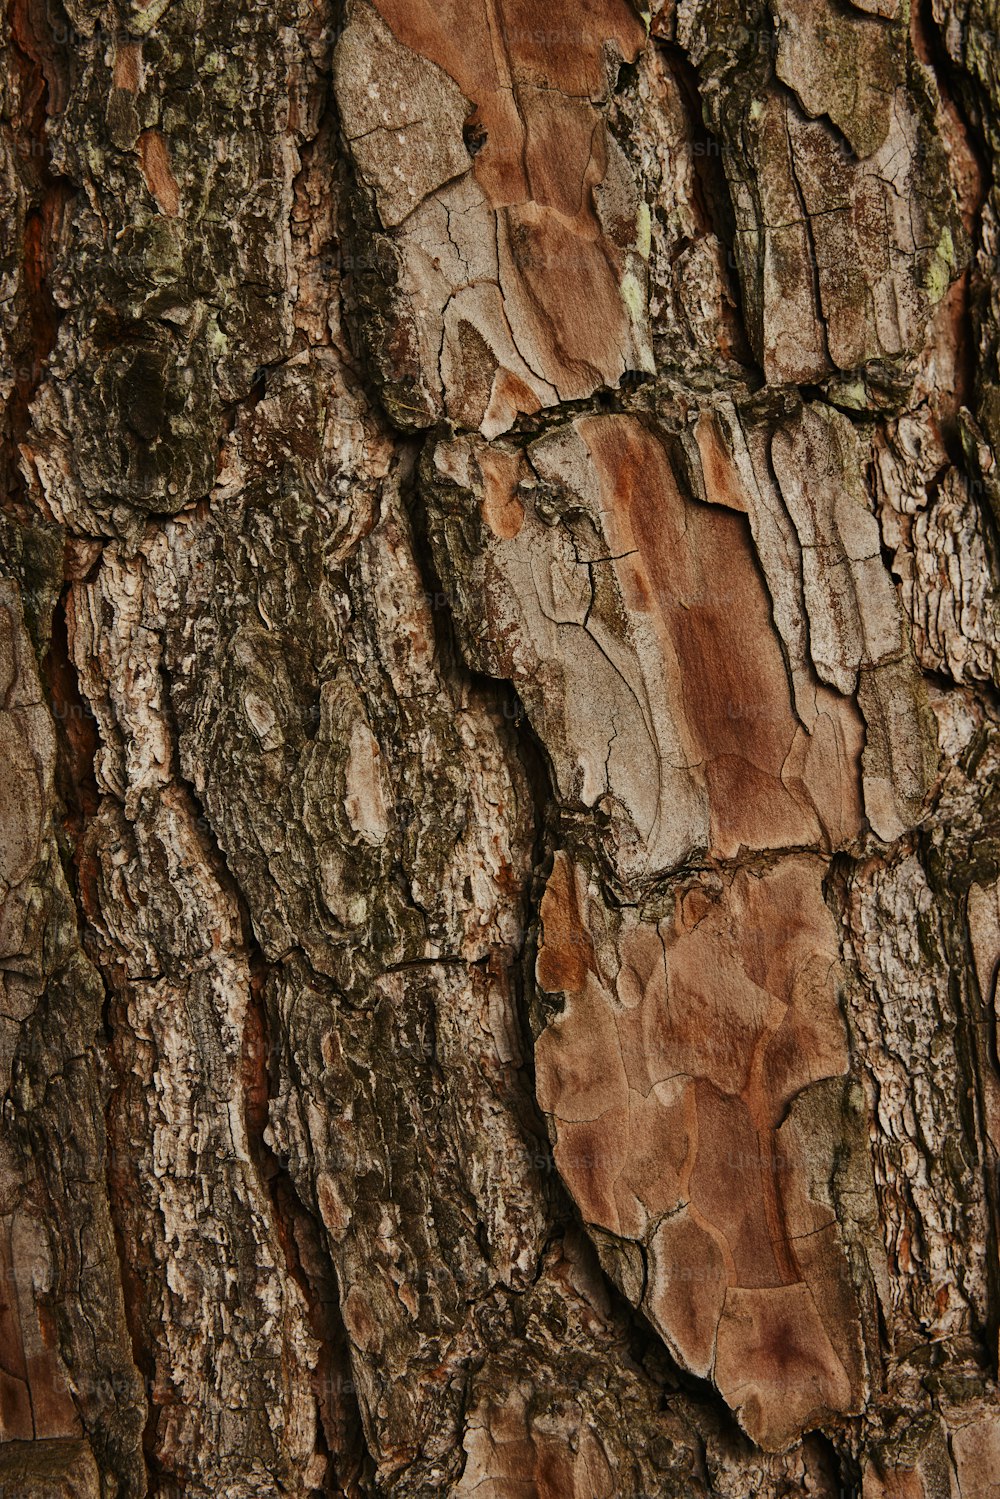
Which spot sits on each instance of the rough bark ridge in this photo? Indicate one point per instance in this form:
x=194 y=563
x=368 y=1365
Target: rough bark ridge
x=500 y=786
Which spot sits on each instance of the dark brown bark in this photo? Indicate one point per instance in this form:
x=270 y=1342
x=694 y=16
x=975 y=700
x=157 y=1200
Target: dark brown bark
x=499 y=754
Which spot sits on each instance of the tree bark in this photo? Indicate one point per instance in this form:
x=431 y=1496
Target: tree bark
x=499 y=749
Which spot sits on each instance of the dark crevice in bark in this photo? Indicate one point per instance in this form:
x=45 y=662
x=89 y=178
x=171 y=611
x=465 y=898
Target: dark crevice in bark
x=947 y=876
x=120 y=1183
x=36 y=57
x=886 y=552
x=664 y=397
x=971 y=106
x=953 y=89
x=78 y=742
x=299 y=1235
x=966 y=360
x=951 y=83
x=712 y=202
x=77 y=735
x=39 y=66
x=132 y=1296
x=340 y=1430
x=849 y=1481
x=814 y=262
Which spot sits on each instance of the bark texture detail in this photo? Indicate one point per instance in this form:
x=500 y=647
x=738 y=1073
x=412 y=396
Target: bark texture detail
x=499 y=749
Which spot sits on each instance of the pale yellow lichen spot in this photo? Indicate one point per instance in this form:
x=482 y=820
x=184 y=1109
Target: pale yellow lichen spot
x=632 y=296
x=851 y=393
x=217 y=341
x=144 y=17
x=942 y=264
x=643 y=230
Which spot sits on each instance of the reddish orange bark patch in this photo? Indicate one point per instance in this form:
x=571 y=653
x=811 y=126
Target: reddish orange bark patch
x=721 y=477
x=567 y=953
x=126 y=70
x=534 y=80
x=668 y=1076
x=503 y=512
x=155 y=162
x=695 y=568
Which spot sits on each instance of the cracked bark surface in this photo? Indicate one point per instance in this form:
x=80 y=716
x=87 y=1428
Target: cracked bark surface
x=499 y=750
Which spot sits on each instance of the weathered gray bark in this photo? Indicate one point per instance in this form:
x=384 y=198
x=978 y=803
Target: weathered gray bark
x=499 y=749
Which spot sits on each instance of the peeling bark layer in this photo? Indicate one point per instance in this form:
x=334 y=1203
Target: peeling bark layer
x=499 y=755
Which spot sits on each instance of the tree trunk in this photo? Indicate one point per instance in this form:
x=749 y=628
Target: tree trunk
x=499 y=749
